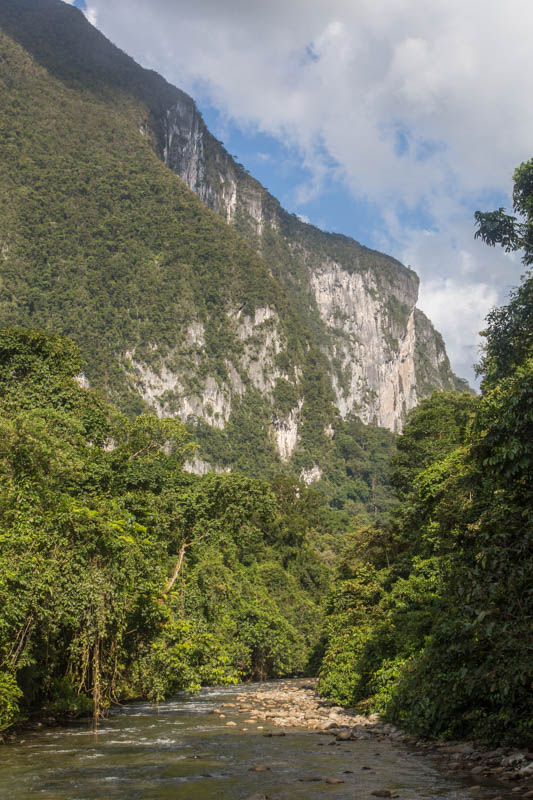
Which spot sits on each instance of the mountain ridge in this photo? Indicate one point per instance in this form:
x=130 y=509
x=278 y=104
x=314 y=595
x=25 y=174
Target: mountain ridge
x=259 y=342
x=224 y=185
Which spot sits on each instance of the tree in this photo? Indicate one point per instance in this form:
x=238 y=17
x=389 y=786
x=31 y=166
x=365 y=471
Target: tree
x=509 y=331
x=437 y=638
x=122 y=575
x=512 y=233
x=432 y=430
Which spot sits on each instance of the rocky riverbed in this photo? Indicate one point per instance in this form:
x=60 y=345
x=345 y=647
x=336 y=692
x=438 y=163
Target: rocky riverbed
x=287 y=705
x=256 y=741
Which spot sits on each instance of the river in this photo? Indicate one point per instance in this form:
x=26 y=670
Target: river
x=180 y=750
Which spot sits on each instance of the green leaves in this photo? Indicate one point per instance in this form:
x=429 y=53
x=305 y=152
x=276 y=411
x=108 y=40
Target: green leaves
x=496 y=227
x=10 y=695
x=444 y=647
x=185 y=656
x=119 y=573
x=434 y=428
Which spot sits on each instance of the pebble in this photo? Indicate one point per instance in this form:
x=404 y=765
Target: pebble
x=514 y=758
x=259 y=768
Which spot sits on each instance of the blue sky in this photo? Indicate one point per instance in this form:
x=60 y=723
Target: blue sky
x=387 y=120
x=333 y=207
x=281 y=170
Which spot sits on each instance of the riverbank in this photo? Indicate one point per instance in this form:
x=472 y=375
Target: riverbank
x=223 y=744
x=289 y=705
x=285 y=708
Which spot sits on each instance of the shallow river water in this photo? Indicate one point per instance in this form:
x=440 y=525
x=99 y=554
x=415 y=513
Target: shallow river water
x=181 y=751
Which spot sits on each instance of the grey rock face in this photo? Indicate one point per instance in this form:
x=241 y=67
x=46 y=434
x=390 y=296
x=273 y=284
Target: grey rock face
x=190 y=151
x=384 y=355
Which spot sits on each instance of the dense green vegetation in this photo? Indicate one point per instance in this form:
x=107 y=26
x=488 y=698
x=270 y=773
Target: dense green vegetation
x=120 y=574
x=102 y=243
x=431 y=617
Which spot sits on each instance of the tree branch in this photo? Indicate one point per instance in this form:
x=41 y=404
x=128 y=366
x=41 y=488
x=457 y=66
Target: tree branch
x=181 y=555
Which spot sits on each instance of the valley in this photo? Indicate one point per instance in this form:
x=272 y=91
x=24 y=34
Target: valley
x=232 y=451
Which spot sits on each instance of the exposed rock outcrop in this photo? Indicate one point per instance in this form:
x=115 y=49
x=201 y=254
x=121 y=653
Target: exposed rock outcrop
x=263 y=356
x=383 y=354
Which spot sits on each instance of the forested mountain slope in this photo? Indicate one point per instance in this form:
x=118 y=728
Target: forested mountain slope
x=121 y=573
x=266 y=335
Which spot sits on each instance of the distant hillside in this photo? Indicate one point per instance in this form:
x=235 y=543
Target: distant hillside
x=267 y=336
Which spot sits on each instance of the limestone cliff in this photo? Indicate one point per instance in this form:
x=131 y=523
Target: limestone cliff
x=383 y=354
x=270 y=338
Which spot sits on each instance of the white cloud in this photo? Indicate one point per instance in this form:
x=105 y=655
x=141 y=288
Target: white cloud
x=418 y=106
x=455 y=307
x=90 y=11
x=92 y=15
x=461 y=280
x=453 y=292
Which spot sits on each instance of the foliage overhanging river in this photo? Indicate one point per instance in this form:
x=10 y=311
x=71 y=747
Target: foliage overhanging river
x=182 y=750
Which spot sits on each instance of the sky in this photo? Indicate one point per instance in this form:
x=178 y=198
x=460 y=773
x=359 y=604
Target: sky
x=391 y=121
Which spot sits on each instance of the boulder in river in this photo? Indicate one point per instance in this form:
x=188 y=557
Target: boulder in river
x=344 y=736
x=514 y=758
